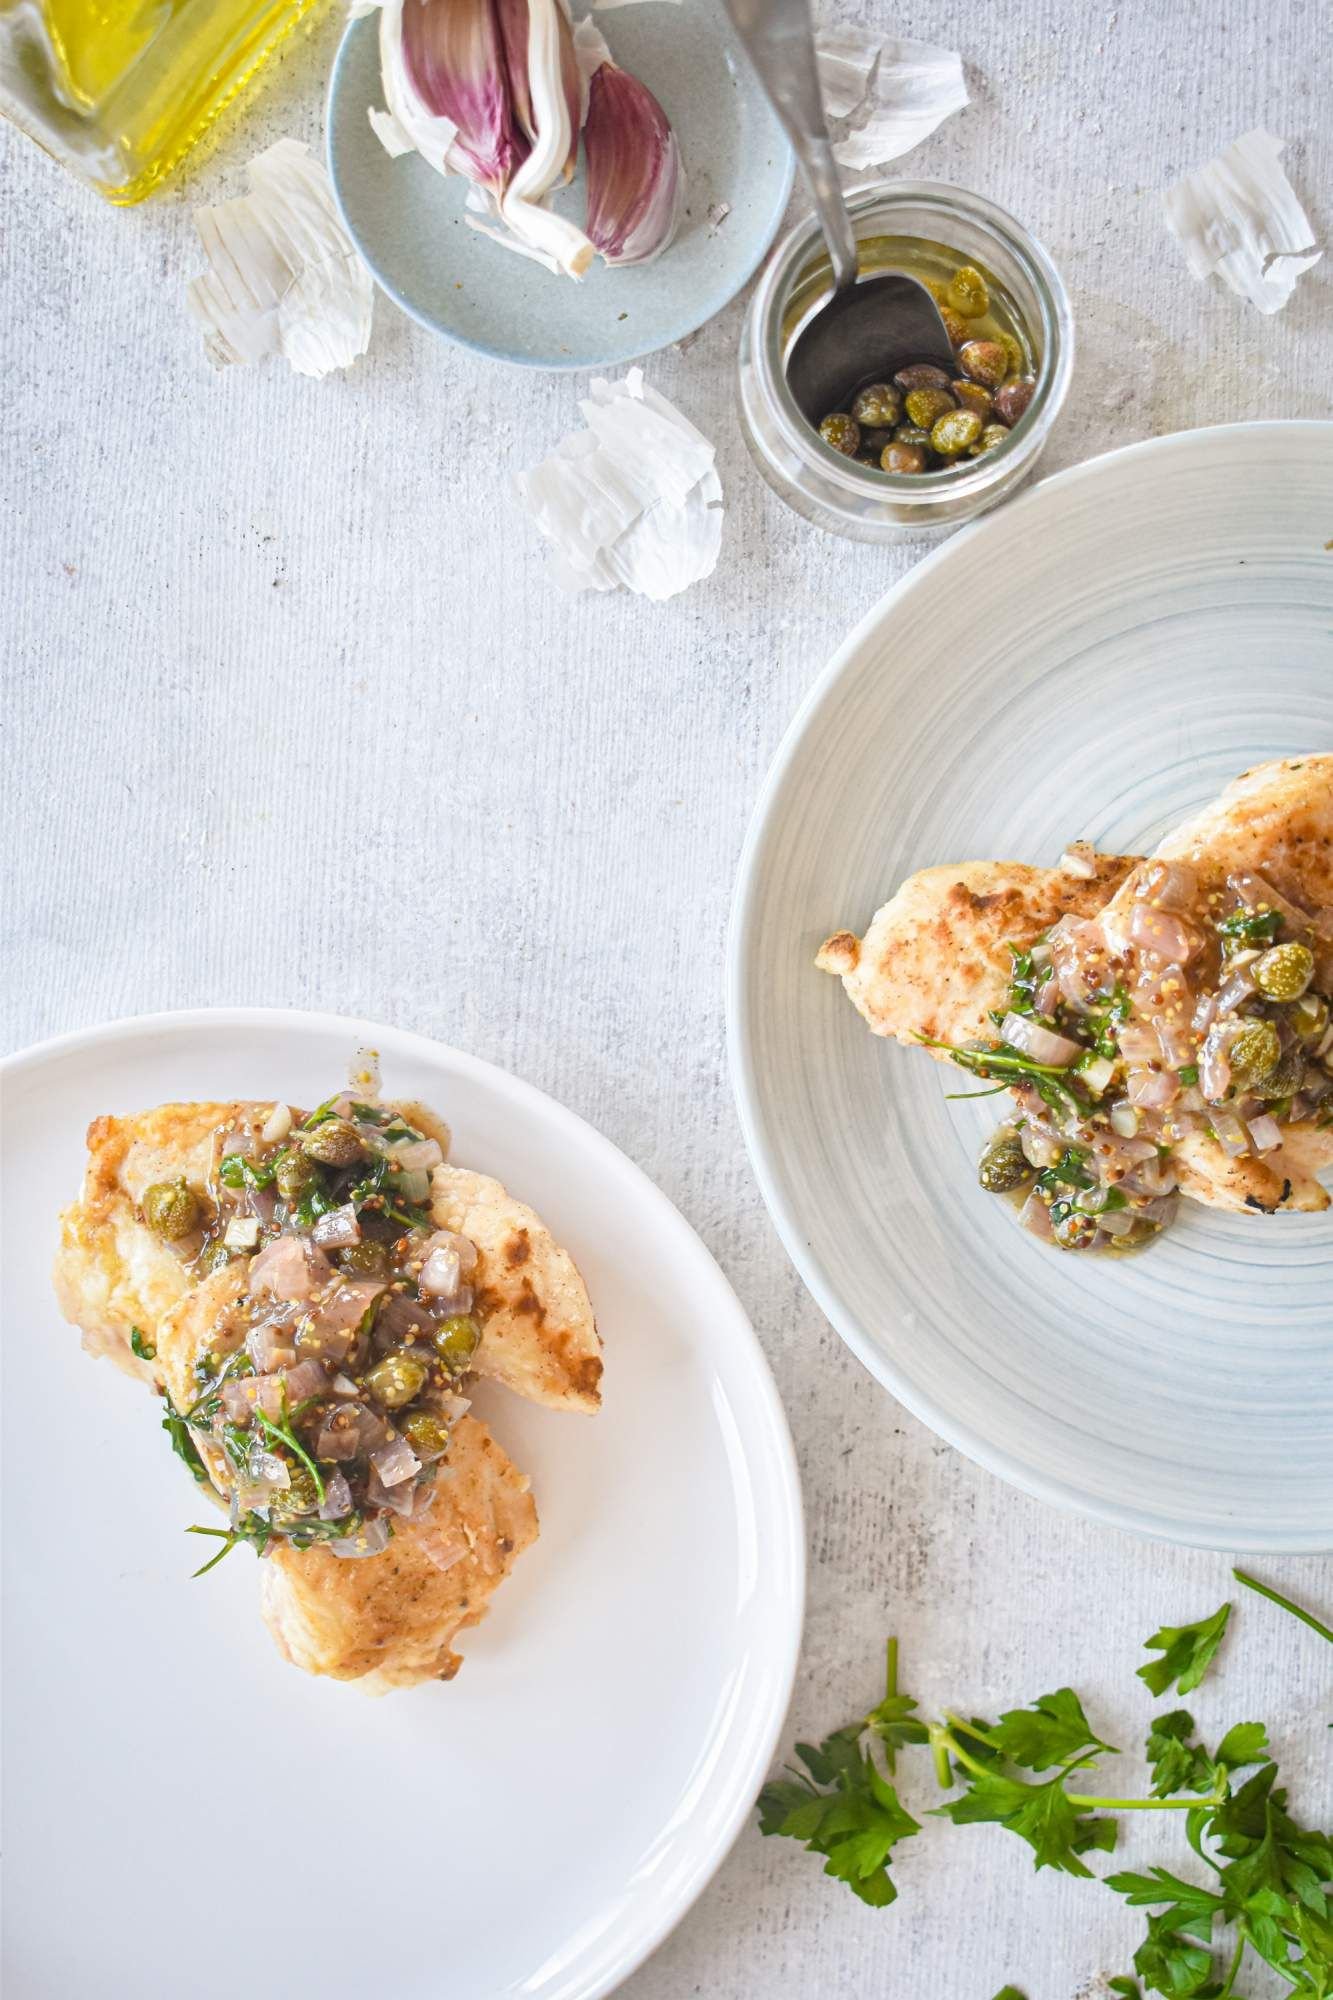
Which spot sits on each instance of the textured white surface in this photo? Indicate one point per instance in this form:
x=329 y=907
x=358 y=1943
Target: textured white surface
x=293 y=715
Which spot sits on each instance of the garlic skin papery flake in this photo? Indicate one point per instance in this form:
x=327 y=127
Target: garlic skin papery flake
x=891 y=93
x=634 y=501
x=1239 y=216
x=283 y=277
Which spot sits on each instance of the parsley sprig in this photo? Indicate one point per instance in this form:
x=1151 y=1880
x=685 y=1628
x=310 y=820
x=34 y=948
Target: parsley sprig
x=1270 y=1889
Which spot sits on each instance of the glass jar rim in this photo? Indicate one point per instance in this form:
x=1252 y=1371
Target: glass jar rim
x=1055 y=321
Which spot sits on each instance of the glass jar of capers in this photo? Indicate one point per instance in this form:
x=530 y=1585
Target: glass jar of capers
x=919 y=447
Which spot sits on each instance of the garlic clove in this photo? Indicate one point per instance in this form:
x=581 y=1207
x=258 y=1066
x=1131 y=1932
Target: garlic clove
x=450 y=54
x=635 y=181
x=553 y=116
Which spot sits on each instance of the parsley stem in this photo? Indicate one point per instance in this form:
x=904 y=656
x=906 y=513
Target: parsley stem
x=1229 y=1984
x=891 y=1673
x=970 y=1729
x=949 y=1743
x=1284 y=1604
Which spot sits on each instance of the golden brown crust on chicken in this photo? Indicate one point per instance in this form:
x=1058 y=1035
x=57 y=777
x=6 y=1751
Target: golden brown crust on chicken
x=1283 y=1182
x=388 y=1621
x=538 y=1335
x=935 y=959
x=111 y=1272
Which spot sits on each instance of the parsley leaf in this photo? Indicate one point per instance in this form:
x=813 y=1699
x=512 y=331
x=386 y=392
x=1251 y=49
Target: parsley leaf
x=1187 y=1652
x=1043 y=1815
x=1054 y=1730
x=1181 y=1765
x=142 y=1347
x=178 y=1430
x=1171 y=1963
x=855 y=1824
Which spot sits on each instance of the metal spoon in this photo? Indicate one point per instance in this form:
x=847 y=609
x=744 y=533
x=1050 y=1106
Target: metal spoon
x=864 y=327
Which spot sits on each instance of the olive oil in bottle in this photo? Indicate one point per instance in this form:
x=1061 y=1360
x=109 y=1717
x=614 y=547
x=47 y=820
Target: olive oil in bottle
x=120 y=90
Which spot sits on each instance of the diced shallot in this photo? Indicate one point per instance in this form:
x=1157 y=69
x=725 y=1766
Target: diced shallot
x=416 y=1155
x=1124 y=1120
x=1152 y=1089
x=1171 y=885
x=395 y=1461
x=1139 y=1042
x=338 y=1229
x=1036 y=1217
x=368 y=1540
x=1163 y=933
x=270 y=1347
x=1080 y=859
x=329 y=1330
x=1232 y=1135
x=277 y=1125
x=1237 y=989
x=1043 y=1045
x=1265 y=1133
x=1258 y=893
x=337 y=1499
x=289 y=1269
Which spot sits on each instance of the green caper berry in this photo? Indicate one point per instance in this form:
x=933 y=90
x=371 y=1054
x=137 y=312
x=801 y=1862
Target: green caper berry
x=215 y=1257
x=428 y=1437
x=456 y=1341
x=371 y=1259
x=396 y=1380
x=335 y=1143
x=878 y=407
x=301 y=1496
x=170 y=1209
x=1284 y=972
x=926 y=406
x=968 y=292
x=293 y=1173
x=993 y=435
x=1255 y=1052
x=1004 y=1165
x=1309 y=1017
x=954 y=432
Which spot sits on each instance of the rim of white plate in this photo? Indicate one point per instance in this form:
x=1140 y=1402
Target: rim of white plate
x=788 y=1524
x=749 y=1103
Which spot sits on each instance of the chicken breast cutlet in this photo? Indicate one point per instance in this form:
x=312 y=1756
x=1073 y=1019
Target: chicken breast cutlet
x=1164 y=1024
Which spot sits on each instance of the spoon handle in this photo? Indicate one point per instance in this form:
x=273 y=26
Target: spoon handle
x=779 y=41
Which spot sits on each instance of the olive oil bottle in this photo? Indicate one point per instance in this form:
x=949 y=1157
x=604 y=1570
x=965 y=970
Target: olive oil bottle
x=120 y=90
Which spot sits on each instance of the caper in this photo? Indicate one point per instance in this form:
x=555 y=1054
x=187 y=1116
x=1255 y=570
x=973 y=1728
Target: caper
x=335 y=1143
x=875 y=439
x=1286 y=1076
x=968 y=293
x=300 y=1496
x=170 y=1209
x=842 y=432
x=215 y=1257
x=1004 y=1165
x=1012 y=398
x=1309 y=1017
x=370 y=1259
x=456 y=1341
x=428 y=1437
x=1284 y=972
x=971 y=396
x=912 y=434
x=880 y=405
x=396 y=1380
x=992 y=435
x=1074 y=1231
x=985 y=361
x=293 y=1173
x=1013 y=353
x=903 y=458
x=955 y=326
x=954 y=432
x=1255 y=1052
x=927 y=406
x=922 y=375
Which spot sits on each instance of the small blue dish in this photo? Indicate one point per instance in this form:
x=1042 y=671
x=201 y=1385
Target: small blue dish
x=408 y=223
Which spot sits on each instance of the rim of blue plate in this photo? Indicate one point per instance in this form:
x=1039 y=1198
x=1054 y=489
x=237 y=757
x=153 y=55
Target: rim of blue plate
x=708 y=311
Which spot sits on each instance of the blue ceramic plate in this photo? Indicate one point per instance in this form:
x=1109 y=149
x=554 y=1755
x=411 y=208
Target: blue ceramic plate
x=1097 y=658
x=408 y=221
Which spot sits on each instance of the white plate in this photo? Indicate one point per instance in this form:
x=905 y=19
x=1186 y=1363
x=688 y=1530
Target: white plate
x=1098 y=658
x=186 y=1813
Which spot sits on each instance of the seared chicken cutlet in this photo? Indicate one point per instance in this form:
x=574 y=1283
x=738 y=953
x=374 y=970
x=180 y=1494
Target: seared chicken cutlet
x=1164 y=1027
x=312 y=1294
x=936 y=960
